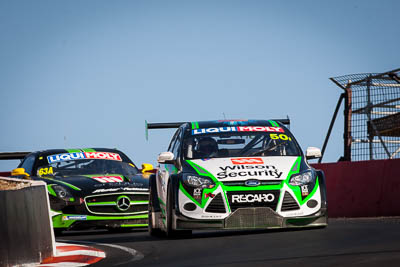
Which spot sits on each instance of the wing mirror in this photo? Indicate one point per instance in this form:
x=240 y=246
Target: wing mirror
x=313 y=153
x=19 y=172
x=166 y=157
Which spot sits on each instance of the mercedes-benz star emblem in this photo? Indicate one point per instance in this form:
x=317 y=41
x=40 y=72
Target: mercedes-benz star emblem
x=123 y=203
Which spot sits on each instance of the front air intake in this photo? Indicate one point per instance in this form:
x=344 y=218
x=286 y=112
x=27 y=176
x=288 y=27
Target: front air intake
x=216 y=205
x=289 y=203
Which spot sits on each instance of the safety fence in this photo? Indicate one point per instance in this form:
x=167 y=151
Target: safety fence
x=371 y=116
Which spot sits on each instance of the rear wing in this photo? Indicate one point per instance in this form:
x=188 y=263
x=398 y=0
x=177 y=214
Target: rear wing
x=168 y=125
x=13 y=155
x=162 y=125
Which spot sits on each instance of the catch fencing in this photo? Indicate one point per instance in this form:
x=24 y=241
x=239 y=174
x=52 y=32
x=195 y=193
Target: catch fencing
x=371 y=115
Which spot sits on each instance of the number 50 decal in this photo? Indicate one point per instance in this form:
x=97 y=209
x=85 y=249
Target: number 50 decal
x=280 y=136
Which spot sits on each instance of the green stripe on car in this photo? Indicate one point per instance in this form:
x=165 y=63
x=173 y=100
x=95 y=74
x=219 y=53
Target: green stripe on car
x=273 y=123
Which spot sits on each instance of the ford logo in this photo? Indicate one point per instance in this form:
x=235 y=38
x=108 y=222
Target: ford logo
x=252 y=183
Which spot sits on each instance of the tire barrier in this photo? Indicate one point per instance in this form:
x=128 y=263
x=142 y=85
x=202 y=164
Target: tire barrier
x=26 y=235
x=362 y=188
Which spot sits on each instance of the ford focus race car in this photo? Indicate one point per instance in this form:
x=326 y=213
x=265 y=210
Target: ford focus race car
x=90 y=188
x=236 y=174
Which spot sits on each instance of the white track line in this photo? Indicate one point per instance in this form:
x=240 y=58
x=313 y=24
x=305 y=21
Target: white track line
x=83 y=252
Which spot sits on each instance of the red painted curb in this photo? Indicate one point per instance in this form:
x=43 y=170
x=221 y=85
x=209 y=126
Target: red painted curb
x=72 y=253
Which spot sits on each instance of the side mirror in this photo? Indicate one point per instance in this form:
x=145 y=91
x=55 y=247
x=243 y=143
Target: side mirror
x=19 y=172
x=147 y=168
x=313 y=153
x=165 y=157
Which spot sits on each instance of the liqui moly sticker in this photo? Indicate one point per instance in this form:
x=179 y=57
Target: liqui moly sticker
x=83 y=155
x=238 y=129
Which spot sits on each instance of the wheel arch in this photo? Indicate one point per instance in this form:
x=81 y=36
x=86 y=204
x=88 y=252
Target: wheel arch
x=173 y=184
x=322 y=184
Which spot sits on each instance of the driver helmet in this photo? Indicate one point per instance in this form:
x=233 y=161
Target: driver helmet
x=207 y=145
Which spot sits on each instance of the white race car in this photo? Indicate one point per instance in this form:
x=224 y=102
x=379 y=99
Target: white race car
x=235 y=174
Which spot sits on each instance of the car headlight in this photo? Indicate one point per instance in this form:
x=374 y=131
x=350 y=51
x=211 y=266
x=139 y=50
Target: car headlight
x=62 y=192
x=197 y=181
x=302 y=178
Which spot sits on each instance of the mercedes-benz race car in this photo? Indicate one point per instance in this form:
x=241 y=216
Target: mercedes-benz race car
x=90 y=188
x=235 y=174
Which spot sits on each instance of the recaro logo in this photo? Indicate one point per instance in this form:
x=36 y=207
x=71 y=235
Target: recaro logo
x=247 y=161
x=250 y=198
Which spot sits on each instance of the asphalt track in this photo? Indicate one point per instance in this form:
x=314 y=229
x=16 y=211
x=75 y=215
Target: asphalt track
x=345 y=242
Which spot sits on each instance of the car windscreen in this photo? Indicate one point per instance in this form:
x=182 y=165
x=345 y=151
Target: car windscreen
x=65 y=168
x=224 y=142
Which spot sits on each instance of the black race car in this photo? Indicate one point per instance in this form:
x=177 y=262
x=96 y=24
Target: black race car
x=90 y=188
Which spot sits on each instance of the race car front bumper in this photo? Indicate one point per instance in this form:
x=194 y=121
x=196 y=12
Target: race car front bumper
x=255 y=218
x=77 y=222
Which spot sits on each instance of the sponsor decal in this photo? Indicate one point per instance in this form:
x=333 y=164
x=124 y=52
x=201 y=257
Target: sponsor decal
x=103 y=155
x=247 y=161
x=211 y=216
x=197 y=193
x=75 y=217
x=250 y=198
x=65 y=156
x=238 y=129
x=304 y=190
x=83 y=155
x=249 y=171
x=209 y=195
x=108 y=179
x=134 y=189
x=122 y=184
x=252 y=183
x=119 y=189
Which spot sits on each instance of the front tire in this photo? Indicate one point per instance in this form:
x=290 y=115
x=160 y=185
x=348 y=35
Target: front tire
x=170 y=232
x=156 y=232
x=153 y=231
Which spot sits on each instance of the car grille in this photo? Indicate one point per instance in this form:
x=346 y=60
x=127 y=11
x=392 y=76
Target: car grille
x=216 y=205
x=289 y=203
x=252 y=218
x=118 y=203
x=253 y=198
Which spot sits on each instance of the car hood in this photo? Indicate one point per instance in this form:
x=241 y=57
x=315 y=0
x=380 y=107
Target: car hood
x=244 y=168
x=101 y=183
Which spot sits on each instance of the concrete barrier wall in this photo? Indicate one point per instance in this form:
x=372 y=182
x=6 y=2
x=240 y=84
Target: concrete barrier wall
x=363 y=188
x=26 y=235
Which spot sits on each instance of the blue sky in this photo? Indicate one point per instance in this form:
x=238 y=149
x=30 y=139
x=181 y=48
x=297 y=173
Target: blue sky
x=89 y=73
